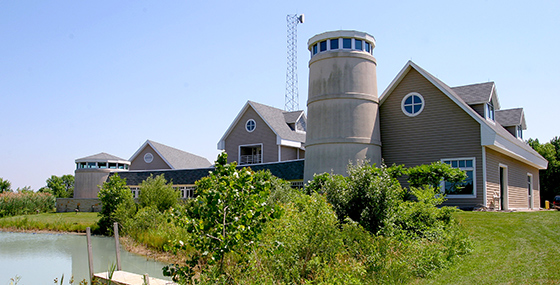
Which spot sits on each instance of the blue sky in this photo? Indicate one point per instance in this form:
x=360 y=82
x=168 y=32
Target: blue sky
x=82 y=77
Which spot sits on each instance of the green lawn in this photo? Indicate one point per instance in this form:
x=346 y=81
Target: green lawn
x=509 y=248
x=70 y=222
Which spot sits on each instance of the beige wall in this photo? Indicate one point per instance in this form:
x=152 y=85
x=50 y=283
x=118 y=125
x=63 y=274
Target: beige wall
x=342 y=124
x=88 y=180
x=139 y=164
x=517 y=181
x=289 y=153
x=262 y=134
x=441 y=131
x=83 y=205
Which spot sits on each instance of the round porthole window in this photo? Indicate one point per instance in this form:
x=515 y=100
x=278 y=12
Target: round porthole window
x=148 y=157
x=412 y=104
x=250 y=125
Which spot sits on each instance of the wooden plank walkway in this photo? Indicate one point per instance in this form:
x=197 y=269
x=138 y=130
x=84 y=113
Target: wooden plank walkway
x=127 y=278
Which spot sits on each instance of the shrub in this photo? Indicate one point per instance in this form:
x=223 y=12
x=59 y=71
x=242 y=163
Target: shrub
x=369 y=195
x=228 y=213
x=432 y=174
x=117 y=202
x=301 y=242
x=157 y=193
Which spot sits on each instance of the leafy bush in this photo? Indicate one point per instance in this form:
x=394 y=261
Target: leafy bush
x=117 y=203
x=300 y=243
x=432 y=174
x=369 y=195
x=26 y=202
x=228 y=213
x=157 y=193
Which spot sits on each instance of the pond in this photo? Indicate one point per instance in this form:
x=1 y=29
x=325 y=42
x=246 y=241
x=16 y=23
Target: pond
x=40 y=258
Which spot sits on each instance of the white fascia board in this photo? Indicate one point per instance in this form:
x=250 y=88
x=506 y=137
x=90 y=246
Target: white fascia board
x=280 y=141
x=494 y=98
x=155 y=149
x=103 y=160
x=510 y=149
x=139 y=150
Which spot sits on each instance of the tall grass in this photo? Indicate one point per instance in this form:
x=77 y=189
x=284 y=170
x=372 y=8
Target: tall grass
x=63 y=222
x=12 y=204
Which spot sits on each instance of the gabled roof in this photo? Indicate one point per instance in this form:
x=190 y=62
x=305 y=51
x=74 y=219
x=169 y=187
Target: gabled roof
x=479 y=93
x=492 y=135
x=101 y=157
x=511 y=117
x=175 y=158
x=276 y=119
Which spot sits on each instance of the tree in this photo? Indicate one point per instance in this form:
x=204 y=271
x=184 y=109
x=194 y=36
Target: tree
x=5 y=186
x=114 y=196
x=550 y=177
x=61 y=187
x=157 y=193
x=229 y=212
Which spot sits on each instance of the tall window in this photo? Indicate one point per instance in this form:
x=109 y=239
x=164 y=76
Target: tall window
x=530 y=190
x=519 y=132
x=467 y=187
x=490 y=111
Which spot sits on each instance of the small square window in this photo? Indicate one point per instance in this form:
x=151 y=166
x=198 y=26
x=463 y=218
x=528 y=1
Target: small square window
x=358 y=44
x=347 y=43
x=334 y=44
x=323 y=46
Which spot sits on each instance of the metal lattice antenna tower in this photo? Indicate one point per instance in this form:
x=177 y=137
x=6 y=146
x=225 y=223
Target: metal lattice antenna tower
x=292 y=95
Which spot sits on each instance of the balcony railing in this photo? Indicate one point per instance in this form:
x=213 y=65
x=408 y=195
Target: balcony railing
x=251 y=159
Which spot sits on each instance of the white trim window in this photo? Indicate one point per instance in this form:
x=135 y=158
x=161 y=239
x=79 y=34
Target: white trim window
x=250 y=125
x=250 y=154
x=467 y=188
x=412 y=104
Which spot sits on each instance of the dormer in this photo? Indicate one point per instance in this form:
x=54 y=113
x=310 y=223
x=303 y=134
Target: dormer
x=513 y=120
x=296 y=120
x=481 y=97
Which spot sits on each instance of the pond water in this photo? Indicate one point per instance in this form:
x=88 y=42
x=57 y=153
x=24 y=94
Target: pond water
x=40 y=258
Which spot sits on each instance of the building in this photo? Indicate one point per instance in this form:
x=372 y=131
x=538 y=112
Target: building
x=417 y=120
x=423 y=120
x=263 y=134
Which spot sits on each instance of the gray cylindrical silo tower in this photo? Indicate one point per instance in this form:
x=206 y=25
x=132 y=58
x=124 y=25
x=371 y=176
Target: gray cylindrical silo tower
x=342 y=105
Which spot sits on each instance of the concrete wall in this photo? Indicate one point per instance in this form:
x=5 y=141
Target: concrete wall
x=83 y=205
x=88 y=180
x=342 y=123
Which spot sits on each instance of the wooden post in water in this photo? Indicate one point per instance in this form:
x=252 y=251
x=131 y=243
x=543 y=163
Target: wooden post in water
x=117 y=247
x=90 y=254
x=146 y=279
